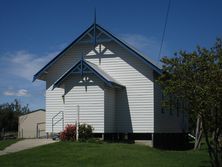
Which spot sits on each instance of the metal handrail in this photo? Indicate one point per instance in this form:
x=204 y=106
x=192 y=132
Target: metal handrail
x=57 y=121
x=56 y=114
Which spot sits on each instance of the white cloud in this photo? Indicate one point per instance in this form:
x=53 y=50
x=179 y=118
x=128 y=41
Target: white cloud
x=20 y=92
x=25 y=64
x=9 y=93
x=138 y=41
x=149 y=46
x=17 y=70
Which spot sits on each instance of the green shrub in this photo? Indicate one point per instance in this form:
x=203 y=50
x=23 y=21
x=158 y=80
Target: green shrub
x=85 y=132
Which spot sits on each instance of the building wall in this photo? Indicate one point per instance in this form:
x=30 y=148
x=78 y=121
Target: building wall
x=28 y=125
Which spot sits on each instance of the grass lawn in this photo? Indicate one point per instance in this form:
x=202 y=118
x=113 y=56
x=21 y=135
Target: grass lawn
x=6 y=143
x=63 y=154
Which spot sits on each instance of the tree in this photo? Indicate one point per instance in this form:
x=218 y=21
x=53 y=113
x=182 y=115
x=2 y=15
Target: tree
x=9 y=113
x=197 y=79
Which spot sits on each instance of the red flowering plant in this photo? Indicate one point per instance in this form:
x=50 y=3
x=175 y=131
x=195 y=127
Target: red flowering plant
x=69 y=134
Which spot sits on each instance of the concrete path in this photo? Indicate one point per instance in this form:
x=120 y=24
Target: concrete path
x=25 y=144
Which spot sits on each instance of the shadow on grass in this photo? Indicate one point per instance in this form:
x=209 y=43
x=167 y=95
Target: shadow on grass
x=175 y=147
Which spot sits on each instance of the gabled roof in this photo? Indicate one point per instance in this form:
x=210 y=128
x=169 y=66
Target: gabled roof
x=82 y=67
x=141 y=56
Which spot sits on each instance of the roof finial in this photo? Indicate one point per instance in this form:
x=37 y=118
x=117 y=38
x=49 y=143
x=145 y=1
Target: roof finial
x=94 y=30
x=94 y=15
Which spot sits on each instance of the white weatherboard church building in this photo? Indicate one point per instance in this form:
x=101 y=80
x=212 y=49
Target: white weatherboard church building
x=113 y=85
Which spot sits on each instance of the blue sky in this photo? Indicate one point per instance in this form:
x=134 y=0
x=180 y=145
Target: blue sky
x=33 y=32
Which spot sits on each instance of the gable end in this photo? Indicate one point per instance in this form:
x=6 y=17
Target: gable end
x=142 y=57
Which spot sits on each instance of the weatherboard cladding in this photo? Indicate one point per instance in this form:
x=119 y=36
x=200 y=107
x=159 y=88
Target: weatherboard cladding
x=133 y=107
x=90 y=100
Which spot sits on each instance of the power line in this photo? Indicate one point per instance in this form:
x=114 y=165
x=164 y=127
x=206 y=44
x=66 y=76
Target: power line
x=164 y=29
